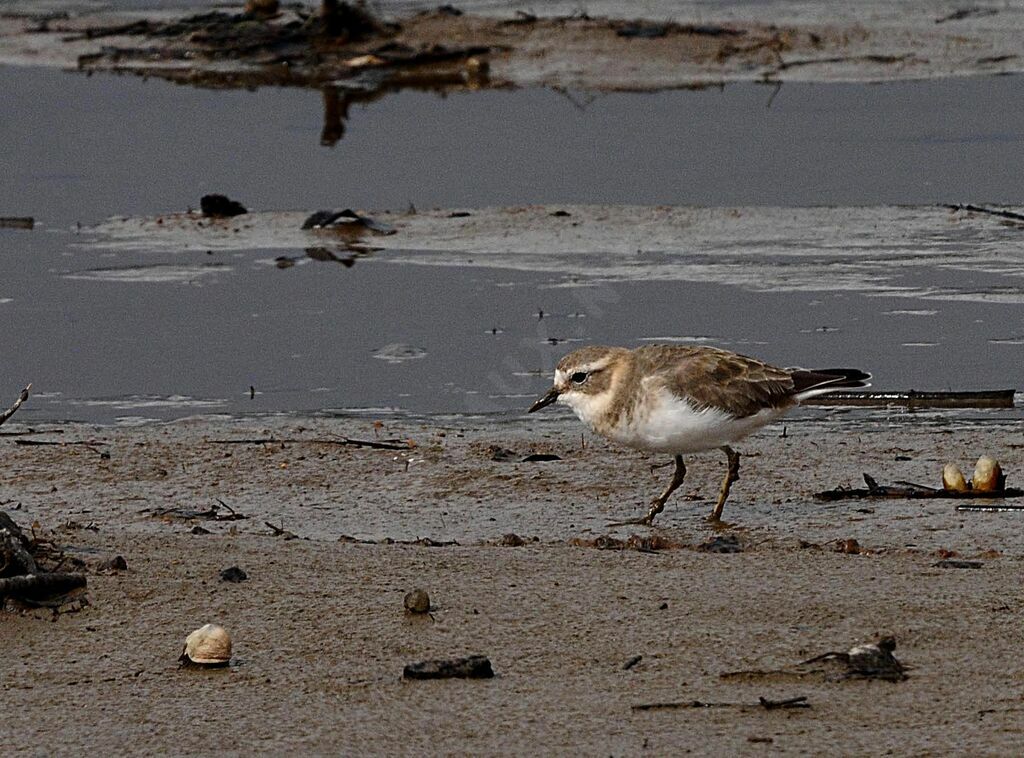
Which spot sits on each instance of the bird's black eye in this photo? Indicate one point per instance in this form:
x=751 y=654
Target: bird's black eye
x=579 y=377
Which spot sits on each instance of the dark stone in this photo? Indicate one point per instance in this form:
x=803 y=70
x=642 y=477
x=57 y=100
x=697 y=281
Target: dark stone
x=220 y=206
x=541 y=457
x=473 y=667
x=233 y=574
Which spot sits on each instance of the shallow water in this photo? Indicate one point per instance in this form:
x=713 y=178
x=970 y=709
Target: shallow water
x=107 y=336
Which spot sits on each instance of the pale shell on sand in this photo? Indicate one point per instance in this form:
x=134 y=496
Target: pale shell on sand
x=207 y=646
x=988 y=475
x=953 y=478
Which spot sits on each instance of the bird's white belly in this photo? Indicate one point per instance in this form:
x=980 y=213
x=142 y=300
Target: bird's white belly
x=670 y=424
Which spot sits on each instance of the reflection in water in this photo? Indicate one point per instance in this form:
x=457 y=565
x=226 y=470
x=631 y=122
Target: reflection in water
x=335 y=114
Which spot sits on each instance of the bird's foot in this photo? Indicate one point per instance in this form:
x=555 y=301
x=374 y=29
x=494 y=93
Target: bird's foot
x=717 y=524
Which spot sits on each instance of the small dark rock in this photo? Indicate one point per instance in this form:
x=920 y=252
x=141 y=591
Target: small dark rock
x=561 y=214
x=459 y=214
x=541 y=457
x=233 y=574
x=220 y=206
x=199 y=530
x=512 y=540
x=473 y=667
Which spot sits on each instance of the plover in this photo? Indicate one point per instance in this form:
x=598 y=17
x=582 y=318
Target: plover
x=681 y=399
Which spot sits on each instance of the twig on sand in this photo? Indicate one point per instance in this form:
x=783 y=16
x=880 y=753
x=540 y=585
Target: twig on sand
x=763 y=702
x=38 y=588
x=280 y=531
x=17 y=404
x=391 y=444
x=790 y=702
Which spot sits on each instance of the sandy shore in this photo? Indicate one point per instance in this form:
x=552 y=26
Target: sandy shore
x=321 y=636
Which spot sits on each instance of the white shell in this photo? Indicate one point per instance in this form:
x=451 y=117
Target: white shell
x=988 y=475
x=953 y=478
x=209 y=645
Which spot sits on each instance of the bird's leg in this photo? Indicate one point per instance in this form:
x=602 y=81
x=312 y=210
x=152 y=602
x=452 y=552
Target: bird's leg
x=658 y=504
x=731 y=475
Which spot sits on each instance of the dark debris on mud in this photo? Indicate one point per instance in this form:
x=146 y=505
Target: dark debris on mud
x=343 y=42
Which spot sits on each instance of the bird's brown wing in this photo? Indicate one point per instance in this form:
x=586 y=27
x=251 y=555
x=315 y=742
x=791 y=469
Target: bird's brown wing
x=714 y=378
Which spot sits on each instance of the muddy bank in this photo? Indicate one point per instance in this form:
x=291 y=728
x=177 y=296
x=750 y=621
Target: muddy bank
x=446 y=49
x=469 y=480
x=869 y=250
x=321 y=636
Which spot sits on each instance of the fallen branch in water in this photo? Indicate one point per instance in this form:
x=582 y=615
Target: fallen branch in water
x=982 y=209
x=17 y=404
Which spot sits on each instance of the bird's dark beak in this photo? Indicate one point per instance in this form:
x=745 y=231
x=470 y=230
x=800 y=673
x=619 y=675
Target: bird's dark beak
x=548 y=399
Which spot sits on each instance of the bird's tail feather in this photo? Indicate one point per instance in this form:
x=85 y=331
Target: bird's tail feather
x=808 y=383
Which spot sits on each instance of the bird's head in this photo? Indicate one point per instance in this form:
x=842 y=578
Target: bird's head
x=585 y=380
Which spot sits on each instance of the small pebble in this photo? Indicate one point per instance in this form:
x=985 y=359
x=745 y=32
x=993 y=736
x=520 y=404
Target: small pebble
x=233 y=574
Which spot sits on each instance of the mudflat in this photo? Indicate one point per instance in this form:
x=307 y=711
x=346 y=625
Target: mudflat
x=721 y=617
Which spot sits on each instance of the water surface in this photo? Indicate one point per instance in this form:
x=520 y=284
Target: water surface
x=113 y=335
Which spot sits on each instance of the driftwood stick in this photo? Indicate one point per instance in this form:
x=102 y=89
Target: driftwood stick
x=349 y=441
x=982 y=209
x=17 y=404
x=910 y=490
x=35 y=587
x=790 y=702
x=672 y=705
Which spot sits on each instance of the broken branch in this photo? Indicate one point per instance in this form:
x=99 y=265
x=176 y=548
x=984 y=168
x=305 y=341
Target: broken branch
x=17 y=404
x=909 y=490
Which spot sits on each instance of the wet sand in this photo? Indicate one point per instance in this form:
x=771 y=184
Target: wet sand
x=320 y=633
x=321 y=637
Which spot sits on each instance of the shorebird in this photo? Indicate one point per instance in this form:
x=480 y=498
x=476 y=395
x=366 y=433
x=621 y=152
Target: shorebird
x=681 y=399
